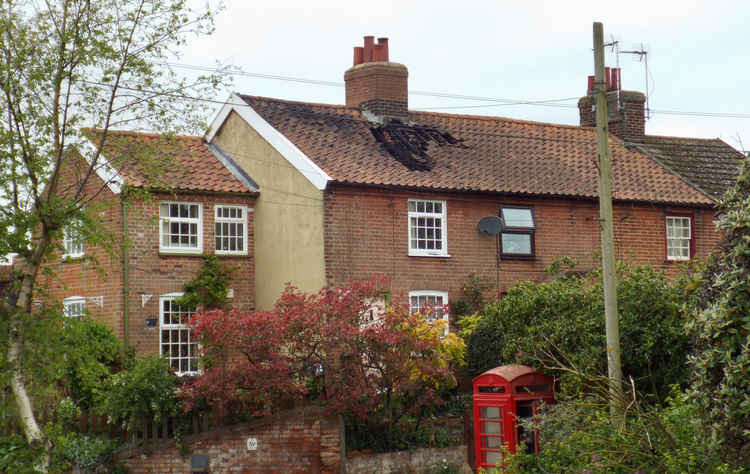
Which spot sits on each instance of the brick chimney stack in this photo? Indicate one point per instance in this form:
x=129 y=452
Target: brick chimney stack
x=376 y=84
x=625 y=109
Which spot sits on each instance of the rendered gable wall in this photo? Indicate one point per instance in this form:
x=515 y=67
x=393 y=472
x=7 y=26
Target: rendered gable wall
x=288 y=215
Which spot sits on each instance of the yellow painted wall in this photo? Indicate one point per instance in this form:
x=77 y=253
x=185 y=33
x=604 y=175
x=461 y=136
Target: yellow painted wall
x=288 y=215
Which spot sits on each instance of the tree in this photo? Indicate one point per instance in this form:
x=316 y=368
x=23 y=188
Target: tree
x=720 y=329
x=564 y=317
x=66 y=65
x=320 y=347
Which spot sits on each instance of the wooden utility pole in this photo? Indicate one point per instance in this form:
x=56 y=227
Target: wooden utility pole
x=609 y=277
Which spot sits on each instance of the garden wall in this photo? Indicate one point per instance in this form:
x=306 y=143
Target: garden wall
x=302 y=440
x=415 y=461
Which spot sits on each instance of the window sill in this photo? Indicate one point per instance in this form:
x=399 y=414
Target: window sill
x=517 y=257
x=73 y=258
x=673 y=262
x=429 y=256
x=230 y=254
x=174 y=253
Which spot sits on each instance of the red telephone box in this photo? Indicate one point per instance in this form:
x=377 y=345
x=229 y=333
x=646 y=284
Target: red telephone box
x=501 y=396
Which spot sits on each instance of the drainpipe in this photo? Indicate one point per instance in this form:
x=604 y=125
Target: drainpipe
x=125 y=271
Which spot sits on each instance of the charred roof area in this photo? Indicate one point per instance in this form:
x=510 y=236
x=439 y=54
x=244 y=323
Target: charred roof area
x=409 y=143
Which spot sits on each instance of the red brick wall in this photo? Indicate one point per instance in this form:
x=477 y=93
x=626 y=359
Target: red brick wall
x=298 y=441
x=155 y=274
x=366 y=233
x=150 y=273
x=99 y=273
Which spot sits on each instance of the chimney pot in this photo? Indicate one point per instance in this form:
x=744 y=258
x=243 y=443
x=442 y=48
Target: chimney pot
x=383 y=42
x=359 y=52
x=377 y=53
x=369 y=40
x=607 y=79
x=592 y=83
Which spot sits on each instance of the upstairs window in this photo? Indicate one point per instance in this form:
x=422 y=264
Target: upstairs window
x=517 y=237
x=73 y=240
x=679 y=238
x=177 y=344
x=230 y=229
x=74 y=307
x=181 y=228
x=427 y=228
x=436 y=302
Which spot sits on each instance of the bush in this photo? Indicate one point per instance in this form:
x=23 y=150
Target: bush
x=91 y=354
x=566 y=317
x=720 y=330
x=16 y=455
x=577 y=436
x=87 y=454
x=146 y=390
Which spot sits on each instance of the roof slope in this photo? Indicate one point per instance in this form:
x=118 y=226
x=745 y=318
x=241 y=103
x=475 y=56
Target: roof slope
x=176 y=162
x=486 y=154
x=709 y=164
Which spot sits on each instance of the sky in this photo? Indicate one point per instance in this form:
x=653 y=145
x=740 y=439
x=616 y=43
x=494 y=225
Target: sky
x=698 y=59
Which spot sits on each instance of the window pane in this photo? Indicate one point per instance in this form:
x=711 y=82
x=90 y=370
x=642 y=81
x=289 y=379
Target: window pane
x=491 y=442
x=517 y=244
x=491 y=457
x=490 y=412
x=517 y=217
x=491 y=427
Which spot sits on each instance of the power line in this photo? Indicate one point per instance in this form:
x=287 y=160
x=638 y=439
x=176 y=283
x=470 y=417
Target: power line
x=498 y=101
x=368 y=123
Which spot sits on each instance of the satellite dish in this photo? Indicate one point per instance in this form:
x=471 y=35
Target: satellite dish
x=490 y=225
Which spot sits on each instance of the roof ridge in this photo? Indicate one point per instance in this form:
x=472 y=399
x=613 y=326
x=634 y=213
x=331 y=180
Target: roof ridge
x=503 y=119
x=681 y=138
x=142 y=134
x=439 y=114
x=300 y=102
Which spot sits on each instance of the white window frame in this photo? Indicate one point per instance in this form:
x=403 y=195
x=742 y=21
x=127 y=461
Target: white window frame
x=188 y=220
x=417 y=252
x=74 y=307
x=73 y=241
x=179 y=327
x=433 y=293
x=689 y=238
x=230 y=220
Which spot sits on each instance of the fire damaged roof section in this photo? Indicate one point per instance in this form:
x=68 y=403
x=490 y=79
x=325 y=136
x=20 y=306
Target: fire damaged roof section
x=409 y=143
x=491 y=154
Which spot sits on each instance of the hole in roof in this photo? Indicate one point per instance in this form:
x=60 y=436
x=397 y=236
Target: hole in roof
x=409 y=143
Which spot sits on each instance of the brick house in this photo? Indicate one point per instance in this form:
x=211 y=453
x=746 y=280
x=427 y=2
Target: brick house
x=200 y=202
x=371 y=187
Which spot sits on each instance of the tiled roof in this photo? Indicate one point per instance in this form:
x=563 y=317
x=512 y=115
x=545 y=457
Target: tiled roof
x=175 y=162
x=709 y=164
x=490 y=154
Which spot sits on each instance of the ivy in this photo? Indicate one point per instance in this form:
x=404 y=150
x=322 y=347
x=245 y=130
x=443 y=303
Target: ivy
x=208 y=290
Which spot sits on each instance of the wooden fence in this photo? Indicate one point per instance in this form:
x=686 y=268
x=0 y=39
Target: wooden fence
x=144 y=431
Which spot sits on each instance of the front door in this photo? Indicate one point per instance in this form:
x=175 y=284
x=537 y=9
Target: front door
x=491 y=436
x=526 y=440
